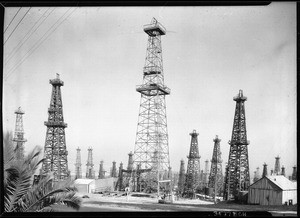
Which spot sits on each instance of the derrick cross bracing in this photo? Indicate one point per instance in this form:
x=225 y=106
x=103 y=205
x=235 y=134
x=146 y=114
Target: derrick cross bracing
x=90 y=172
x=55 y=151
x=277 y=165
x=131 y=178
x=19 y=139
x=78 y=171
x=192 y=177
x=181 y=179
x=152 y=134
x=237 y=178
x=216 y=176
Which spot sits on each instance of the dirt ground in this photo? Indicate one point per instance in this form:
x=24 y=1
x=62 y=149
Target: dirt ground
x=100 y=203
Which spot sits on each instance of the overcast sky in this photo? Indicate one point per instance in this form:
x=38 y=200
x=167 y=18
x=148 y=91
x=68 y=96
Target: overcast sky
x=209 y=54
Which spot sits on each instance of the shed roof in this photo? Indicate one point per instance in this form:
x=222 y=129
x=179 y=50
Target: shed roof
x=83 y=181
x=282 y=182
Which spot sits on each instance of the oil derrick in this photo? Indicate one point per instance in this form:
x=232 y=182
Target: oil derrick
x=181 y=179
x=257 y=172
x=265 y=170
x=125 y=177
x=256 y=175
x=55 y=151
x=90 y=173
x=113 y=172
x=192 y=177
x=129 y=173
x=101 y=171
x=216 y=175
x=78 y=173
x=205 y=174
x=277 y=166
x=294 y=174
x=19 y=139
x=119 y=184
x=201 y=178
x=152 y=132
x=283 y=171
x=130 y=161
x=238 y=164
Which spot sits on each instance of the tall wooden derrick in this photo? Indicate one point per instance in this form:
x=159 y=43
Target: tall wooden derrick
x=238 y=178
x=126 y=177
x=55 y=151
x=283 y=170
x=90 y=172
x=101 y=171
x=256 y=175
x=206 y=174
x=18 y=138
x=181 y=179
x=113 y=172
x=277 y=166
x=216 y=175
x=294 y=174
x=265 y=170
x=192 y=177
x=78 y=171
x=152 y=134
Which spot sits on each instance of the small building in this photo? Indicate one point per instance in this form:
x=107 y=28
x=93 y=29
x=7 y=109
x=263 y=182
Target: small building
x=105 y=185
x=85 y=185
x=273 y=190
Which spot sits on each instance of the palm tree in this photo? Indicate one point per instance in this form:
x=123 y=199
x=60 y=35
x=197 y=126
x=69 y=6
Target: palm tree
x=21 y=195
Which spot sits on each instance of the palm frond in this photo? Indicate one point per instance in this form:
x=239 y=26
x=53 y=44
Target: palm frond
x=65 y=183
x=44 y=197
x=64 y=198
x=37 y=191
x=8 y=148
x=32 y=160
x=18 y=184
x=45 y=209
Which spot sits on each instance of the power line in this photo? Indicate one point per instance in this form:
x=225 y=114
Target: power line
x=12 y=20
x=38 y=45
x=20 y=44
x=35 y=46
x=17 y=26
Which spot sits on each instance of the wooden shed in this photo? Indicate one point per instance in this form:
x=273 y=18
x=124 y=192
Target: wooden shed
x=273 y=190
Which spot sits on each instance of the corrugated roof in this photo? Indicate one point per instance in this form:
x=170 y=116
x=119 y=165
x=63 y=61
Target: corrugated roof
x=83 y=181
x=282 y=182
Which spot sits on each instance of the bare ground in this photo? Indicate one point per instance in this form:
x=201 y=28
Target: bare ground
x=99 y=203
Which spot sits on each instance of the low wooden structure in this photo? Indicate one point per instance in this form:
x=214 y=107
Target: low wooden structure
x=273 y=190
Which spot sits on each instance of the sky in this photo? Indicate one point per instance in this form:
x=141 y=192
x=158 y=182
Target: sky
x=209 y=54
